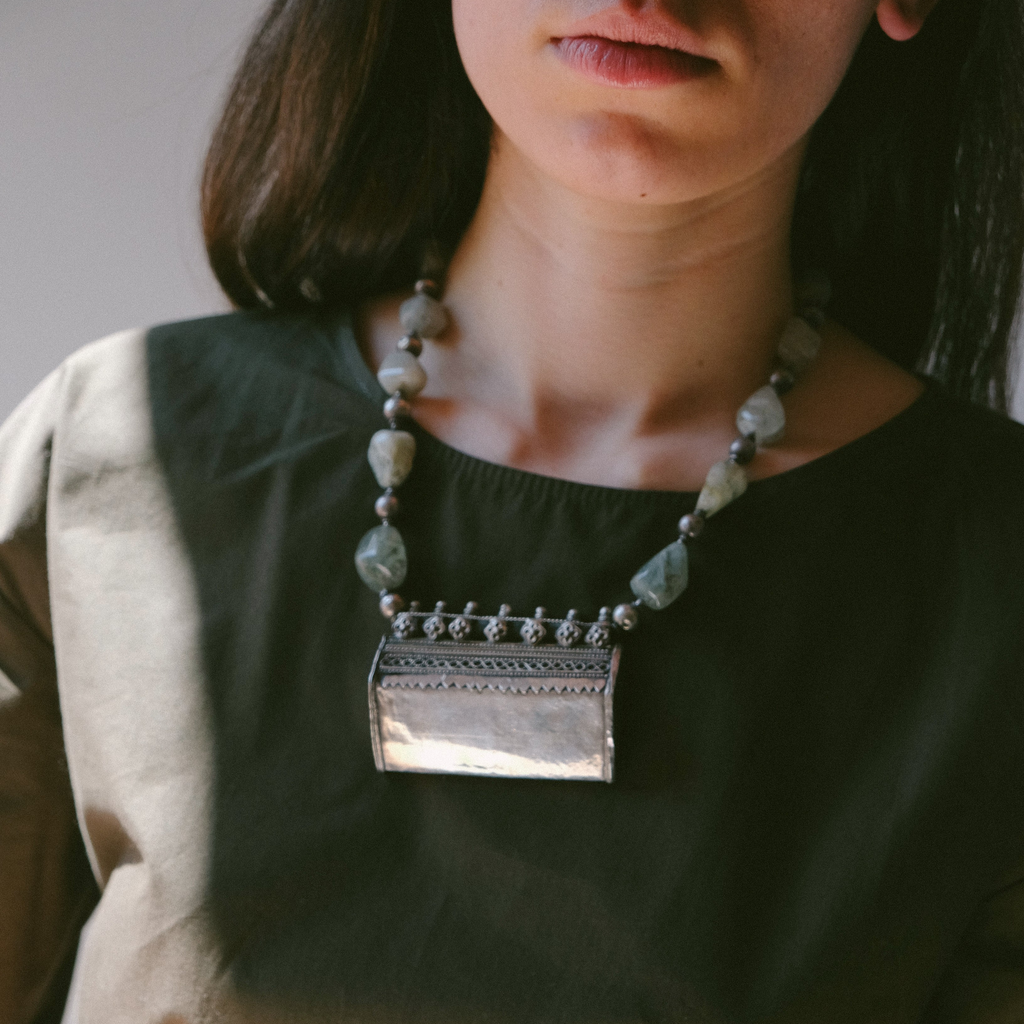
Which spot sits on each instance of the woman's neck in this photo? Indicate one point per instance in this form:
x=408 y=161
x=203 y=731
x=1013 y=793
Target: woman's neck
x=613 y=344
x=561 y=302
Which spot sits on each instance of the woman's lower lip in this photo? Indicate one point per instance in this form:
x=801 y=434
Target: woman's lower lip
x=630 y=65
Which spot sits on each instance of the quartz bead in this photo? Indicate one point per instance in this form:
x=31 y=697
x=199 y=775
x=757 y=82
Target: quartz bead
x=763 y=416
x=391 y=456
x=423 y=316
x=663 y=578
x=725 y=482
x=381 y=559
x=799 y=345
x=401 y=373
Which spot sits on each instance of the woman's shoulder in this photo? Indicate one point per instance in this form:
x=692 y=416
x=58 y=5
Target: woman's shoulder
x=974 y=515
x=198 y=393
x=204 y=373
x=983 y=448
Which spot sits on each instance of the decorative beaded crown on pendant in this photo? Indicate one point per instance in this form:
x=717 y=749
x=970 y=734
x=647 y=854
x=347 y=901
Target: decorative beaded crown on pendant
x=381 y=559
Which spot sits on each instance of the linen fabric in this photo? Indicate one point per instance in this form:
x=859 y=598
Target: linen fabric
x=818 y=812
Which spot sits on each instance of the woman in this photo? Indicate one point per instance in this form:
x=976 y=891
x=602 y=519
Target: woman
x=816 y=810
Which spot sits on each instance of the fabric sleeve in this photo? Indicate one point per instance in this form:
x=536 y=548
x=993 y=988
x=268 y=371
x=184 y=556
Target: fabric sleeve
x=984 y=983
x=47 y=890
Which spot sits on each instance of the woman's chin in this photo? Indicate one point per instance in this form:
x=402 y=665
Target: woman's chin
x=618 y=160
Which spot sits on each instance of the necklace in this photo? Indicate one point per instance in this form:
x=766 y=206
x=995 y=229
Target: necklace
x=529 y=696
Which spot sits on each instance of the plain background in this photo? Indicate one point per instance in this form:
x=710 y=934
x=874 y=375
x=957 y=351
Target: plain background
x=105 y=109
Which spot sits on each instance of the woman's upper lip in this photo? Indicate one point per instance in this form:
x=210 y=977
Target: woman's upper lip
x=647 y=27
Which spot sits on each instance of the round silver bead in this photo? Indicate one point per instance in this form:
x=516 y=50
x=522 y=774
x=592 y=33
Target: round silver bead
x=396 y=406
x=410 y=343
x=386 y=506
x=427 y=286
x=692 y=525
x=391 y=605
x=626 y=616
x=782 y=381
x=743 y=450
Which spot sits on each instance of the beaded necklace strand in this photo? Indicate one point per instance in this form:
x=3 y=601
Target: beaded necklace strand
x=381 y=559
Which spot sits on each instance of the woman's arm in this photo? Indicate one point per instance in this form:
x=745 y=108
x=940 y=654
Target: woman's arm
x=46 y=886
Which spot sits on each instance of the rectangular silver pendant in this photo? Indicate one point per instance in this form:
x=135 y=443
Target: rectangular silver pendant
x=505 y=710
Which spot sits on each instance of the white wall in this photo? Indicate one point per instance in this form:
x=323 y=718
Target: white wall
x=105 y=108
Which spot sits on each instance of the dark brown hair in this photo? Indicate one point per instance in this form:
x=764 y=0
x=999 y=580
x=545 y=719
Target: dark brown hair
x=353 y=146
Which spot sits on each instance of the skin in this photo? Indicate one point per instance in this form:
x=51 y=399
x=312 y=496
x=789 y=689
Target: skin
x=624 y=282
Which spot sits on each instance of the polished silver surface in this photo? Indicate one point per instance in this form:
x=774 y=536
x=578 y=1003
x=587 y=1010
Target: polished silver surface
x=504 y=710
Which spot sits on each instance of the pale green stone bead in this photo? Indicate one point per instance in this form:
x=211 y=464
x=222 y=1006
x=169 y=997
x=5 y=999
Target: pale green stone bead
x=663 y=578
x=381 y=560
x=423 y=316
x=799 y=345
x=401 y=372
x=391 y=456
x=763 y=416
x=725 y=482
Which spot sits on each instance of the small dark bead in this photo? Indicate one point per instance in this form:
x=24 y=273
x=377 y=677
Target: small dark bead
x=743 y=450
x=692 y=525
x=411 y=344
x=397 y=406
x=626 y=616
x=782 y=382
x=814 y=316
x=427 y=286
x=386 y=506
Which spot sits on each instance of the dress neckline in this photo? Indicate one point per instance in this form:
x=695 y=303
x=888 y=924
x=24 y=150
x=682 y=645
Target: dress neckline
x=860 y=449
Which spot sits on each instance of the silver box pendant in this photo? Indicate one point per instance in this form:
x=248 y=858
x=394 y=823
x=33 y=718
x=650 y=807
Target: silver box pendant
x=505 y=710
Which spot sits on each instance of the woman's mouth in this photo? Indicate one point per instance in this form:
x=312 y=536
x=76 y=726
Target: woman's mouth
x=631 y=65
